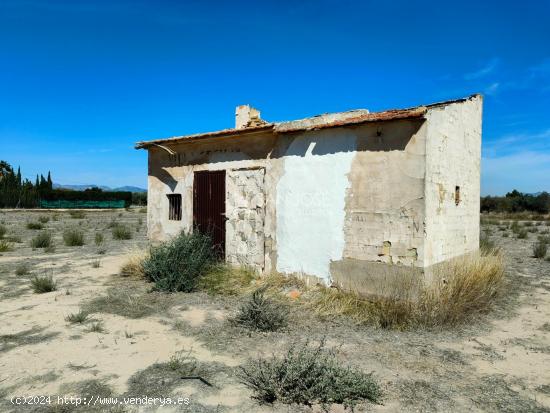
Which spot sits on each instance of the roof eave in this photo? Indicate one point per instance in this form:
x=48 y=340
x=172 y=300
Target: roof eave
x=225 y=133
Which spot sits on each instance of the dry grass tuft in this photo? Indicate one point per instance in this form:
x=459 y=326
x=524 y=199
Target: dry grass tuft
x=459 y=289
x=227 y=280
x=133 y=266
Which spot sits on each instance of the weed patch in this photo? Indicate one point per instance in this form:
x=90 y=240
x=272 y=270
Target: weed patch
x=539 y=249
x=96 y=327
x=43 y=284
x=98 y=239
x=5 y=246
x=35 y=225
x=41 y=240
x=522 y=234
x=43 y=219
x=73 y=237
x=121 y=232
x=261 y=313
x=77 y=318
x=22 y=269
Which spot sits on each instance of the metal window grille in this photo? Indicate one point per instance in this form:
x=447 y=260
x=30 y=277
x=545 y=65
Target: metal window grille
x=174 y=207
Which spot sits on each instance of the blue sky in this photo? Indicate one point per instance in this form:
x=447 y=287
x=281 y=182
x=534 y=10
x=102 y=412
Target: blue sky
x=81 y=81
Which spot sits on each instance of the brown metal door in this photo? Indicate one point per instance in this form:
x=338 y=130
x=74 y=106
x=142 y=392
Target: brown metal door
x=209 y=206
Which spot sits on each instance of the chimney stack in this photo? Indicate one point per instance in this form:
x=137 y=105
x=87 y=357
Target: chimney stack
x=246 y=117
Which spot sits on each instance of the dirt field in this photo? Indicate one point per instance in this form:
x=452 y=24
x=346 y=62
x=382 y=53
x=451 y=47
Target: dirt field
x=497 y=363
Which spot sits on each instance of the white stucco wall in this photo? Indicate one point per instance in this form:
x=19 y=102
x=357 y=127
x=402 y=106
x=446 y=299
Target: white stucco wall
x=310 y=202
x=453 y=148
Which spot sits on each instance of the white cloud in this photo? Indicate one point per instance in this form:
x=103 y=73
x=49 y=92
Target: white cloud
x=484 y=71
x=534 y=142
x=492 y=89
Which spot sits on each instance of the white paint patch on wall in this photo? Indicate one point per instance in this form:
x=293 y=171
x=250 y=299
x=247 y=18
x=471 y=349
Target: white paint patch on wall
x=311 y=197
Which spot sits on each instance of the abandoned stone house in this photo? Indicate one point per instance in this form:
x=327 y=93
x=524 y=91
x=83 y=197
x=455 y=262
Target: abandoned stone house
x=345 y=198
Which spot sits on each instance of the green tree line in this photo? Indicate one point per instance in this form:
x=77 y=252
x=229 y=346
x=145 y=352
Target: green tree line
x=516 y=201
x=18 y=193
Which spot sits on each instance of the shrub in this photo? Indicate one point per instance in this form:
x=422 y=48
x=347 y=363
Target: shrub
x=177 y=265
x=539 y=249
x=121 y=232
x=42 y=240
x=44 y=284
x=308 y=375
x=522 y=234
x=77 y=318
x=34 y=225
x=22 y=269
x=3 y=231
x=5 y=246
x=98 y=239
x=73 y=237
x=77 y=214
x=261 y=313
x=43 y=219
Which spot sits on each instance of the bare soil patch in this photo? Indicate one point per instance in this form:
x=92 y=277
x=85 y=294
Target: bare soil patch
x=498 y=362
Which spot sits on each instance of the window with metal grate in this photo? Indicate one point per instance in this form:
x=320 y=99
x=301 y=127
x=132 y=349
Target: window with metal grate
x=174 y=207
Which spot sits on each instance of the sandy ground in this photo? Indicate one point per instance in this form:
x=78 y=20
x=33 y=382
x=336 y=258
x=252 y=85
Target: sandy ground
x=499 y=362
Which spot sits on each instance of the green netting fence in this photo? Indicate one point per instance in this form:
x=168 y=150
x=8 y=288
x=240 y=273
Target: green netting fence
x=79 y=204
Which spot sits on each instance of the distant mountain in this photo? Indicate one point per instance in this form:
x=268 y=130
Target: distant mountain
x=103 y=187
x=128 y=189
